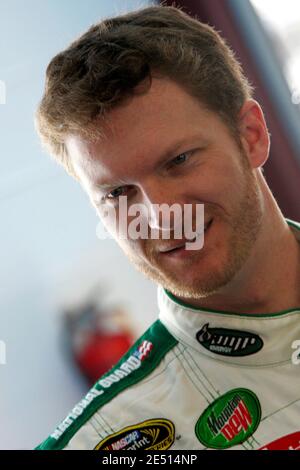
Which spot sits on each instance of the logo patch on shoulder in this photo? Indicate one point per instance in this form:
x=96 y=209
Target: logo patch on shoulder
x=153 y=434
x=227 y=342
x=143 y=350
x=230 y=420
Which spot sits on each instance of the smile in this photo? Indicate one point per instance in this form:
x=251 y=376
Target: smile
x=174 y=249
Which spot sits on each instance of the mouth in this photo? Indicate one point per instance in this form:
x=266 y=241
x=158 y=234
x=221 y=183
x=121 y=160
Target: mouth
x=180 y=247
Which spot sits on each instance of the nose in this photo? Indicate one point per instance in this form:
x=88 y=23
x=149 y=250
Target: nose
x=160 y=204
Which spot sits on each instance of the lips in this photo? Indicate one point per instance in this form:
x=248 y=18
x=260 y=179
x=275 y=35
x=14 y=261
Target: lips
x=181 y=244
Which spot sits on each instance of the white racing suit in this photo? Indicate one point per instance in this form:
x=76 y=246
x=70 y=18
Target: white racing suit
x=197 y=379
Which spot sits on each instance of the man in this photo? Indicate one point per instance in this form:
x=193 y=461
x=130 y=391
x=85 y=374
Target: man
x=153 y=106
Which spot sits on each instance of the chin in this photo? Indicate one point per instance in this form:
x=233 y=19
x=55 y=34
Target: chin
x=199 y=282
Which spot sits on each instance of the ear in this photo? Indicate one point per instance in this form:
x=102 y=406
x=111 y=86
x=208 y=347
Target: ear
x=254 y=134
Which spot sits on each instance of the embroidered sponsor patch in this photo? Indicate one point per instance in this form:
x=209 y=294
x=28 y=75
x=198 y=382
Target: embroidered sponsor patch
x=288 y=442
x=153 y=434
x=230 y=420
x=229 y=342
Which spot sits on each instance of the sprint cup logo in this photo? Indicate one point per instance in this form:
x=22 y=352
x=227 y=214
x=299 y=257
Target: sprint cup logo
x=154 y=434
x=229 y=342
x=230 y=420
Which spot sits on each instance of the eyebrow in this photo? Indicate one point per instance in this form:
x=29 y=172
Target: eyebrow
x=164 y=156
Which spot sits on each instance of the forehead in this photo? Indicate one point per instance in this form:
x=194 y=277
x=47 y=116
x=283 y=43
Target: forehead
x=139 y=131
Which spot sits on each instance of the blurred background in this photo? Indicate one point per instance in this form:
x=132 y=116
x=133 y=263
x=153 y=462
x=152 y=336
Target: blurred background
x=71 y=304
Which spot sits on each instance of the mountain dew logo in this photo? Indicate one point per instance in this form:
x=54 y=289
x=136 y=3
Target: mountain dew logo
x=230 y=420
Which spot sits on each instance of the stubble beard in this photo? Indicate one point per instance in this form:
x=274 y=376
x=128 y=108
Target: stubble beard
x=244 y=228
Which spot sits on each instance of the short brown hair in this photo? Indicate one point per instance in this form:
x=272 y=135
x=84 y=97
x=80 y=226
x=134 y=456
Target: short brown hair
x=104 y=66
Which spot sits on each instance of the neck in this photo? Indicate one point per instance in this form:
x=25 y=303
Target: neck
x=270 y=279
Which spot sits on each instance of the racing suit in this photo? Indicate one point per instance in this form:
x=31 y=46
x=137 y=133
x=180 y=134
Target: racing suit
x=196 y=379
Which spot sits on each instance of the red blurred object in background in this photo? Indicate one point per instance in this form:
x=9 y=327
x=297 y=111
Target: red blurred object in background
x=98 y=337
x=101 y=352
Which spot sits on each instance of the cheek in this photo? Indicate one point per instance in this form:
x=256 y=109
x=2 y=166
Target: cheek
x=220 y=190
x=228 y=181
x=115 y=224
x=108 y=221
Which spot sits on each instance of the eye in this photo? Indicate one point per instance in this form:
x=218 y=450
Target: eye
x=115 y=193
x=182 y=158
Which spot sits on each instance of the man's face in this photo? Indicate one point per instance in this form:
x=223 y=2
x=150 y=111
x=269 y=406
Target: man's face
x=207 y=167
